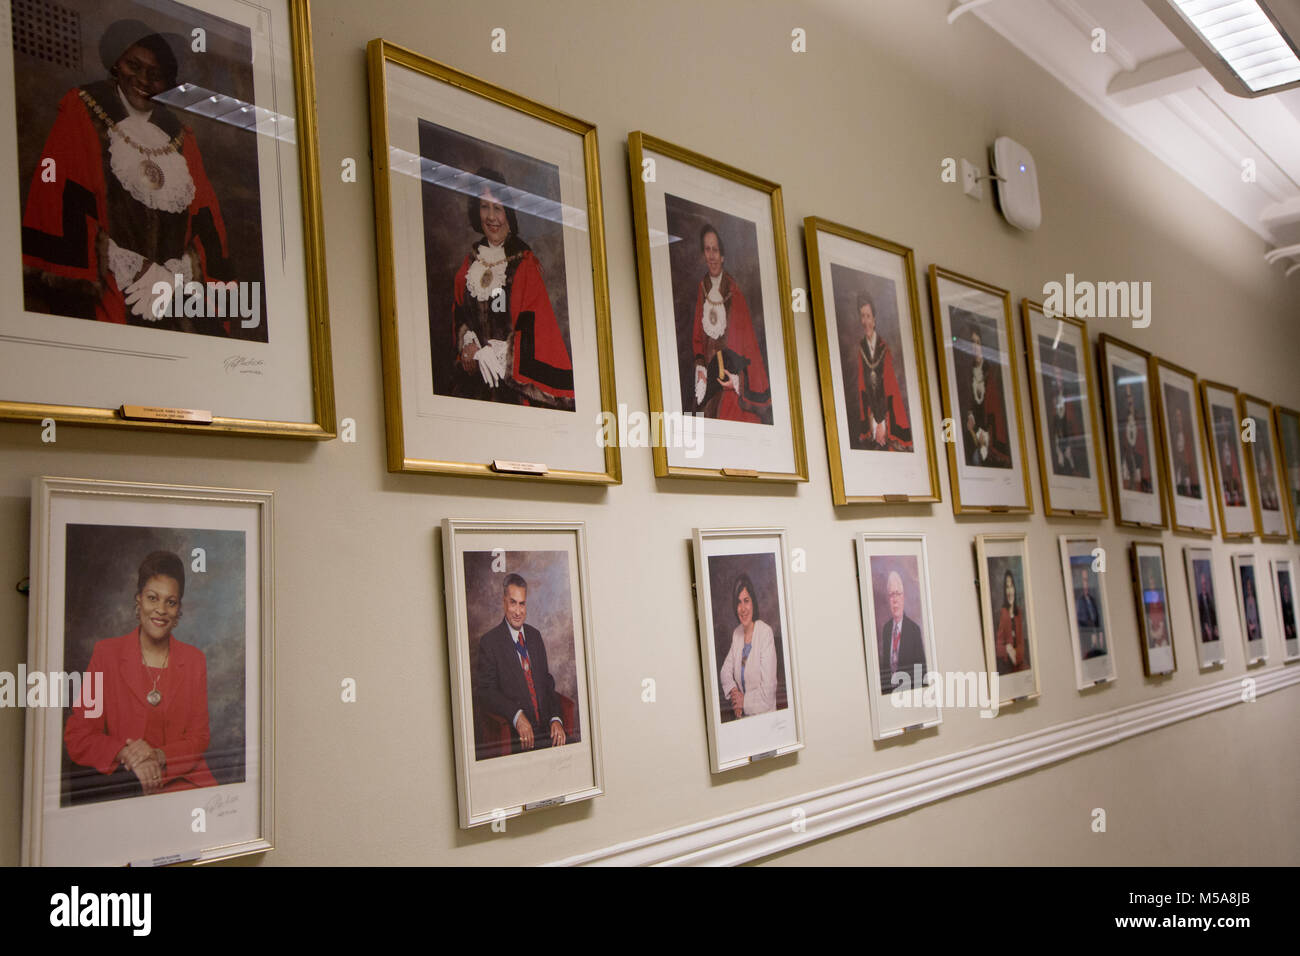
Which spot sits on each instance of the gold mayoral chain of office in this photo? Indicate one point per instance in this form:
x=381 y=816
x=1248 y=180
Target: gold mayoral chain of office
x=488 y=271
x=155 y=174
x=715 y=312
x=873 y=366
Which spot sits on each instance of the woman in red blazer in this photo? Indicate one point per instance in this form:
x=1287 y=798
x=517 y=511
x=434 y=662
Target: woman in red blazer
x=1010 y=646
x=154 y=718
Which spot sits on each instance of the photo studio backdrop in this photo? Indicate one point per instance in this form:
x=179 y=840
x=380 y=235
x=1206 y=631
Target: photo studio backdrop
x=855 y=131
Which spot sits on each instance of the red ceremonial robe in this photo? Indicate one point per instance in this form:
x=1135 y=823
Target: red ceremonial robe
x=66 y=223
x=539 y=357
x=754 y=402
x=898 y=428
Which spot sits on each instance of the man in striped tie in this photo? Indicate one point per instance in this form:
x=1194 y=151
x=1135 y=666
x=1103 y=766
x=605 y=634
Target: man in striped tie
x=512 y=678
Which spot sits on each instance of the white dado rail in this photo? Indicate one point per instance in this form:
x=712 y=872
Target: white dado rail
x=761 y=831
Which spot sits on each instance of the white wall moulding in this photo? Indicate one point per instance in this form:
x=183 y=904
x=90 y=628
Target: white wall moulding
x=761 y=831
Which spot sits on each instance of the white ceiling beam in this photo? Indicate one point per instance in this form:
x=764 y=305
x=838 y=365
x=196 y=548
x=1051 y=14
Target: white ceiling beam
x=1156 y=78
x=1281 y=213
x=1086 y=23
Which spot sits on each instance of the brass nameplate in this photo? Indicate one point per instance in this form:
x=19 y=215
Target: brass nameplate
x=903 y=499
x=740 y=472
x=156 y=413
x=171 y=859
x=504 y=467
x=1000 y=509
x=541 y=804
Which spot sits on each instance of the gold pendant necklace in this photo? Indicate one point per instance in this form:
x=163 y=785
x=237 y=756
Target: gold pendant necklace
x=152 y=173
x=154 y=697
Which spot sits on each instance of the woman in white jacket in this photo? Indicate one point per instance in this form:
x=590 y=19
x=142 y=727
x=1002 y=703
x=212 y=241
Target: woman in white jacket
x=749 y=672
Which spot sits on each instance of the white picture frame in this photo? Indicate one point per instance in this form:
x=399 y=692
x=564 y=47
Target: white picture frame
x=1284 y=591
x=220 y=665
x=1092 y=641
x=1207 y=617
x=1245 y=580
x=499 y=773
x=998 y=555
x=881 y=557
x=1151 y=594
x=724 y=559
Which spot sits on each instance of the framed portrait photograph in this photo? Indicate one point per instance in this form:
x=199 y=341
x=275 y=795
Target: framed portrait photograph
x=872 y=367
x=1246 y=582
x=715 y=317
x=1228 y=458
x=1205 y=606
x=164 y=195
x=898 y=631
x=980 y=390
x=1284 y=591
x=520 y=642
x=1262 y=459
x=1287 y=423
x=151 y=639
x=1151 y=588
x=742 y=596
x=1186 y=470
x=1064 y=400
x=1092 y=647
x=493 y=292
x=1130 y=428
x=1010 y=639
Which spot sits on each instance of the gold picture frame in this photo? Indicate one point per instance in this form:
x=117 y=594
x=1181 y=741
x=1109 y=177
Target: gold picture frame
x=639 y=144
x=831 y=402
x=1243 y=402
x=947 y=395
x=1037 y=405
x=403 y=454
x=317 y=365
x=1106 y=345
x=1217 y=465
x=1288 y=463
x=1199 y=437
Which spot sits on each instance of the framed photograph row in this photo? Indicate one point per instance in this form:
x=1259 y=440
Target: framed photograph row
x=167 y=208
x=151 y=630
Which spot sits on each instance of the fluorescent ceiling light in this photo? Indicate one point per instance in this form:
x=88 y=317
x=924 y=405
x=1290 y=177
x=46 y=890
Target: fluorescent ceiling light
x=1244 y=36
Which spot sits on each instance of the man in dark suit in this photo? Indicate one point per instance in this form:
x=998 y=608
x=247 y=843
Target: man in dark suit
x=902 y=651
x=1205 y=607
x=1091 y=637
x=513 y=680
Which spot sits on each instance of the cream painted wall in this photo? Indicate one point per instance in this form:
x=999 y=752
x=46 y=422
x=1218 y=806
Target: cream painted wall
x=854 y=130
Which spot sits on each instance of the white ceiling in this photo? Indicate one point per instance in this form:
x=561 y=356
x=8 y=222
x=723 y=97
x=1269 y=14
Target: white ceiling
x=1149 y=86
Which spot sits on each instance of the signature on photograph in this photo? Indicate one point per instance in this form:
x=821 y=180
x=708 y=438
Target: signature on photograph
x=243 y=364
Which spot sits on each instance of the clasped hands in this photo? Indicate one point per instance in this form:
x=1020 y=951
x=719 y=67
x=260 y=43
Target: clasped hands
x=139 y=294
x=525 y=728
x=737 y=702
x=491 y=358
x=145 y=762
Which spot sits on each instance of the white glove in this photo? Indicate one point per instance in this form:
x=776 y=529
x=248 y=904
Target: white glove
x=492 y=361
x=700 y=376
x=139 y=294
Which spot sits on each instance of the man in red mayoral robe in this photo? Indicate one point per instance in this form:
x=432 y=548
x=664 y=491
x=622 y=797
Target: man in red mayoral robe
x=730 y=377
x=882 y=422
